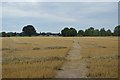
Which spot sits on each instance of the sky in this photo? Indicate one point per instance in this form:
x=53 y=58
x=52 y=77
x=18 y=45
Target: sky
x=54 y=16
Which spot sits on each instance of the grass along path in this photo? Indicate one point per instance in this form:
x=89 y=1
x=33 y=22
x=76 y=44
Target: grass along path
x=74 y=67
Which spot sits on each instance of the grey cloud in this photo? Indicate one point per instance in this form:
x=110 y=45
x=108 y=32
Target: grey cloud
x=60 y=14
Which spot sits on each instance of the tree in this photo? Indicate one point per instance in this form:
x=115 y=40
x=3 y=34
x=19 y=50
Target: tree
x=80 y=33
x=117 y=31
x=86 y=32
x=89 y=31
x=72 y=32
x=108 y=32
x=65 y=32
x=29 y=30
x=11 y=34
x=96 y=32
x=43 y=33
x=102 y=32
x=4 y=34
x=69 y=32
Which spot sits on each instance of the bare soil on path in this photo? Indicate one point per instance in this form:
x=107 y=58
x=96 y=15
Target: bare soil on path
x=74 y=67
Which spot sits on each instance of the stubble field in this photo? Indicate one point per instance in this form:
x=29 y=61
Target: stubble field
x=101 y=56
x=43 y=57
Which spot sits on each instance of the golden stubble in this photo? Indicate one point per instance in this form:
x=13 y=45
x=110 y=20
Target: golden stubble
x=33 y=57
x=42 y=57
x=101 y=56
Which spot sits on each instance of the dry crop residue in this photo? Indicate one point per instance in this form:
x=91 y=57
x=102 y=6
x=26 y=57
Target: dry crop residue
x=74 y=67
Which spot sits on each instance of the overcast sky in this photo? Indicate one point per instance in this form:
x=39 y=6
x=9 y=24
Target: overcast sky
x=54 y=16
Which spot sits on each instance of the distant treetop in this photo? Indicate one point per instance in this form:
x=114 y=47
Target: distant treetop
x=29 y=30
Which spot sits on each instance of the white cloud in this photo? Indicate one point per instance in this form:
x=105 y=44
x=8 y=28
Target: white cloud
x=51 y=15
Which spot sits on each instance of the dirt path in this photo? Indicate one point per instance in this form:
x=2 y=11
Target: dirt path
x=74 y=67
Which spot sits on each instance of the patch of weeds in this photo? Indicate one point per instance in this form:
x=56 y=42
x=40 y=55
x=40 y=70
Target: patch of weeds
x=88 y=67
x=23 y=43
x=89 y=57
x=102 y=46
x=3 y=49
x=56 y=47
x=60 y=69
x=30 y=60
x=36 y=48
x=55 y=58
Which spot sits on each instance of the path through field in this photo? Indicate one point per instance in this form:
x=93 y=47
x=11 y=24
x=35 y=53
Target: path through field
x=74 y=67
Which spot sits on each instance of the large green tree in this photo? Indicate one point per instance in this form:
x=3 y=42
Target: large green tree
x=69 y=32
x=4 y=34
x=108 y=32
x=29 y=30
x=65 y=31
x=80 y=33
x=117 y=31
x=86 y=32
x=89 y=31
x=102 y=32
x=72 y=32
x=96 y=32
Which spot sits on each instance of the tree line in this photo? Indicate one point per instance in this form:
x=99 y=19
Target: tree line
x=29 y=30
